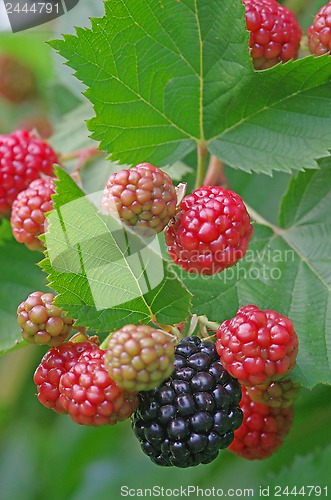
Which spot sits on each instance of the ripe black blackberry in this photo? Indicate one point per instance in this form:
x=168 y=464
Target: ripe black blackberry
x=189 y=418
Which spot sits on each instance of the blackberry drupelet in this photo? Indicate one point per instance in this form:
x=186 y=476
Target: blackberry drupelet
x=188 y=419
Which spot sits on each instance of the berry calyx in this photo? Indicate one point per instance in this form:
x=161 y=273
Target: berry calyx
x=41 y=321
x=257 y=346
x=190 y=417
x=139 y=358
x=319 y=33
x=142 y=197
x=28 y=213
x=17 y=82
x=23 y=158
x=90 y=396
x=263 y=429
x=281 y=394
x=56 y=362
x=275 y=34
x=211 y=232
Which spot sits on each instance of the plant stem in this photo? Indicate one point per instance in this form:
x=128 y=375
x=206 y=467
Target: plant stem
x=216 y=173
x=202 y=155
x=82 y=155
x=211 y=325
x=105 y=343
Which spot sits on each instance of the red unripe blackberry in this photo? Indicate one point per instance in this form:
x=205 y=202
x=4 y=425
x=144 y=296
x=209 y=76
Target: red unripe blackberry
x=139 y=358
x=28 y=213
x=56 y=362
x=17 y=82
x=281 y=394
x=186 y=420
x=256 y=346
x=143 y=197
x=263 y=429
x=275 y=34
x=90 y=396
x=211 y=232
x=41 y=321
x=319 y=33
x=23 y=158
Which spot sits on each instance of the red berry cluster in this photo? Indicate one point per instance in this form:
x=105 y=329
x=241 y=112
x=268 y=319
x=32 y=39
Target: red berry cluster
x=211 y=231
x=319 y=33
x=263 y=429
x=90 y=396
x=259 y=348
x=275 y=34
x=23 y=159
x=28 y=213
x=72 y=379
x=76 y=377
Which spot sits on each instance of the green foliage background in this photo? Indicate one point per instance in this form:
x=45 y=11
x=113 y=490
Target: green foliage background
x=46 y=456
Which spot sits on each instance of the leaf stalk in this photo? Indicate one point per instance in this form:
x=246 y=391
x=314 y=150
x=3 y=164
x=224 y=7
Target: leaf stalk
x=202 y=156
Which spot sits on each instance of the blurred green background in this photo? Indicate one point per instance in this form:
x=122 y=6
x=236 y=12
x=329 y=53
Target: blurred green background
x=46 y=456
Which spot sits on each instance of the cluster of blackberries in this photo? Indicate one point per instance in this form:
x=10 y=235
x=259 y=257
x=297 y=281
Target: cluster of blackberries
x=26 y=184
x=190 y=398
x=186 y=401
x=260 y=348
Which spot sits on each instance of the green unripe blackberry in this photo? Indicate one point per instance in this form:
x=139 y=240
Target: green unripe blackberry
x=142 y=197
x=139 y=358
x=41 y=321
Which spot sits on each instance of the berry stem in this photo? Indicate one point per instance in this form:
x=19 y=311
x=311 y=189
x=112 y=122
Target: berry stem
x=210 y=325
x=105 y=343
x=202 y=156
x=82 y=155
x=215 y=175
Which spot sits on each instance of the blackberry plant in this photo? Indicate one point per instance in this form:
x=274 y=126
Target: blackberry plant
x=183 y=212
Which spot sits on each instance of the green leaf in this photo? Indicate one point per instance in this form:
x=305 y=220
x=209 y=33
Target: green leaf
x=302 y=474
x=164 y=76
x=106 y=276
x=19 y=277
x=286 y=268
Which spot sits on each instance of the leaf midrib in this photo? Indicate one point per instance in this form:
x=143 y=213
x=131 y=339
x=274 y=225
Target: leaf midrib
x=282 y=234
x=265 y=108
